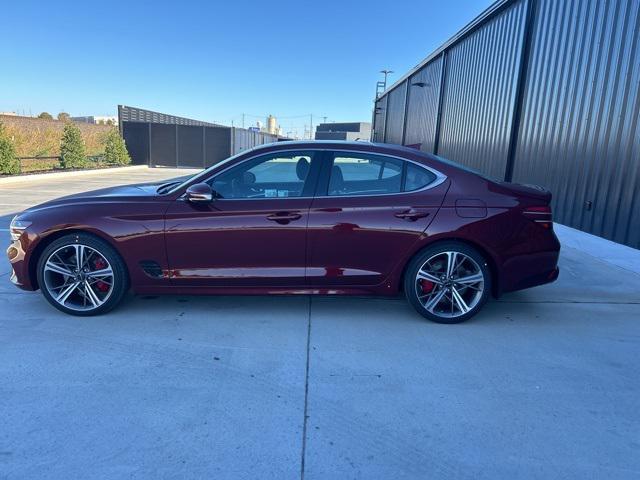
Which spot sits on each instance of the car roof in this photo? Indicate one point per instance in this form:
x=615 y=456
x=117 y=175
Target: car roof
x=345 y=144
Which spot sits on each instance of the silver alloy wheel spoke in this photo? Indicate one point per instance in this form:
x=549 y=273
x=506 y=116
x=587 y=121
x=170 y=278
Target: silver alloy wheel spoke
x=105 y=272
x=53 y=267
x=452 y=258
x=62 y=297
x=79 y=256
x=433 y=302
x=423 y=275
x=457 y=298
x=471 y=279
x=93 y=298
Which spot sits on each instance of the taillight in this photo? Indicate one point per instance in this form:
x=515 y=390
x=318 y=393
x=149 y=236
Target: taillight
x=540 y=215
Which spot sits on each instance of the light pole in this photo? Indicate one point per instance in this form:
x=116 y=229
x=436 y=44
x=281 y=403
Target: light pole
x=381 y=86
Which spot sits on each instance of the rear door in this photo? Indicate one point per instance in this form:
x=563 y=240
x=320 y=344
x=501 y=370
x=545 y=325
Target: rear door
x=368 y=211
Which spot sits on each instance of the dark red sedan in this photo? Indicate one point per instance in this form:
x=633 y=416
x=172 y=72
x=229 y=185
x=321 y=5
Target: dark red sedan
x=295 y=218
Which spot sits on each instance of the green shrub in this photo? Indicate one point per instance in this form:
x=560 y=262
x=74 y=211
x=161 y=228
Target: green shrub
x=72 y=153
x=9 y=163
x=115 y=150
x=45 y=116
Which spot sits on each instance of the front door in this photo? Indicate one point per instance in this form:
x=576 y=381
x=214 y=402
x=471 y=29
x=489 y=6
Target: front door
x=369 y=211
x=253 y=233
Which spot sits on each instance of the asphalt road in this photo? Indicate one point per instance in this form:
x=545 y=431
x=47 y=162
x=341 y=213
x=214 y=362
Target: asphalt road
x=544 y=383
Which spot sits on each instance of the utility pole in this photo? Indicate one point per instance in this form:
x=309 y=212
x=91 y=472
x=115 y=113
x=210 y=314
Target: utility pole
x=311 y=127
x=324 y=119
x=243 y=120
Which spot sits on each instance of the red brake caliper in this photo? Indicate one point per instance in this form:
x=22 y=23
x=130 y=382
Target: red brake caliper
x=426 y=285
x=99 y=264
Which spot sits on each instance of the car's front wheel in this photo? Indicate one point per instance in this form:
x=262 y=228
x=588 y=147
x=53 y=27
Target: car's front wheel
x=448 y=283
x=81 y=274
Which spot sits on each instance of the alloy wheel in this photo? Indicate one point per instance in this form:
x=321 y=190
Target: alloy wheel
x=78 y=277
x=449 y=284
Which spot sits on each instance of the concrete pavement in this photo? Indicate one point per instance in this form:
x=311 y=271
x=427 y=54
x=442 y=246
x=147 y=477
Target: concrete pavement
x=541 y=384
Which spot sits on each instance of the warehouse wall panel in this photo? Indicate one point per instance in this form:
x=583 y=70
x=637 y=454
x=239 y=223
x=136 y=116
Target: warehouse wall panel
x=380 y=113
x=479 y=95
x=395 y=115
x=422 y=106
x=580 y=130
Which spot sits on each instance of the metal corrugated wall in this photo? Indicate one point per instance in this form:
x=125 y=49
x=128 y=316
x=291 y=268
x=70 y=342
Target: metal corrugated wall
x=479 y=93
x=544 y=92
x=580 y=129
x=379 y=115
x=395 y=114
x=422 y=106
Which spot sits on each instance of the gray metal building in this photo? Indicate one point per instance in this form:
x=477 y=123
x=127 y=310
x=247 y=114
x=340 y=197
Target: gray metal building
x=351 y=131
x=158 y=139
x=536 y=91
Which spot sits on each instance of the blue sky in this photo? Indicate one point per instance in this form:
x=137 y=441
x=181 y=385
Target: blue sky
x=216 y=60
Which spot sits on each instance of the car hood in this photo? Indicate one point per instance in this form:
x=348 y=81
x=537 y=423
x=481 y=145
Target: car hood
x=139 y=193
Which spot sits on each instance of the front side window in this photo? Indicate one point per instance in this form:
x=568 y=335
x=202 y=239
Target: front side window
x=277 y=175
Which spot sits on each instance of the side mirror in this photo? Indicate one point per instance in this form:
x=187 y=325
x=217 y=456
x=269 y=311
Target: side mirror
x=199 y=193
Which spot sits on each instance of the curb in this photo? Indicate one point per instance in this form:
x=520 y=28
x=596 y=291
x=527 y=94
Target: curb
x=63 y=174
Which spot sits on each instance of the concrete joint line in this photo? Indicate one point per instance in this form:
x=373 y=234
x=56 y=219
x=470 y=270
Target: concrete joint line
x=306 y=395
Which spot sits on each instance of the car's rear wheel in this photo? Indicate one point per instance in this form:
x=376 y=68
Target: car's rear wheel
x=448 y=283
x=82 y=275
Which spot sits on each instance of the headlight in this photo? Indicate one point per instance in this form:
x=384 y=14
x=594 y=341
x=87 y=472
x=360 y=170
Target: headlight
x=17 y=227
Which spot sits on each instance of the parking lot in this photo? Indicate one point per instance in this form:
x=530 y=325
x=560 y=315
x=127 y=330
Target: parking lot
x=543 y=383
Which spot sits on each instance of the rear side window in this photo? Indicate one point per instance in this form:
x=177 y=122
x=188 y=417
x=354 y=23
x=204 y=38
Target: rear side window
x=366 y=174
x=356 y=174
x=417 y=178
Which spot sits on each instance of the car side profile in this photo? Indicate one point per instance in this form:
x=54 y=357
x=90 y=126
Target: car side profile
x=333 y=218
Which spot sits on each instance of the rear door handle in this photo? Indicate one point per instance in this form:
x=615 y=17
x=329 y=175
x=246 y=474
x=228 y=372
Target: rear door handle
x=284 y=217
x=411 y=215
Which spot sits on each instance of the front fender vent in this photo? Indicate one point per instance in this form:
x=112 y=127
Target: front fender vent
x=151 y=268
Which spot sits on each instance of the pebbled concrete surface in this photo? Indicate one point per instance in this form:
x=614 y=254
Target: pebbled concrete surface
x=541 y=384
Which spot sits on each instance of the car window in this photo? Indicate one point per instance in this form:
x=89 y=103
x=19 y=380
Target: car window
x=417 y=177
x=277 y=175
x=362 y=174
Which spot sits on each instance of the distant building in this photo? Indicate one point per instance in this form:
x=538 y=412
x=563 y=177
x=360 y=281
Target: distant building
x=9 y=114
x=344 y=131
x=97 y=119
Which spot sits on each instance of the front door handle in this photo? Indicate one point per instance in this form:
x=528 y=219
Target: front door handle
x=284 y=217
x=411 y=215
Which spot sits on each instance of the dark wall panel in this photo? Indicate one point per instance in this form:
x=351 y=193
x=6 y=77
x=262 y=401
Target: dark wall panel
x=190 y=146
x=136 y=137
x=395 y=114
x=379 y=119
x=479 y=95
x=217 y=144
x=422 y=106
x=163 y=145
x=580 y=130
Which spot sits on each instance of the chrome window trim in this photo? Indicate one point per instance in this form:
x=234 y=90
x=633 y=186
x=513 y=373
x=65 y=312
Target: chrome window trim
x=440 y=177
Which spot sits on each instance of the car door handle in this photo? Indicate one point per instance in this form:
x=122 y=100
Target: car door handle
x=284 y=217
x=411 y=215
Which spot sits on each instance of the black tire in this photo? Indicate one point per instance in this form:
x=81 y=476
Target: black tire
x=411 y=285
x=120 y=278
